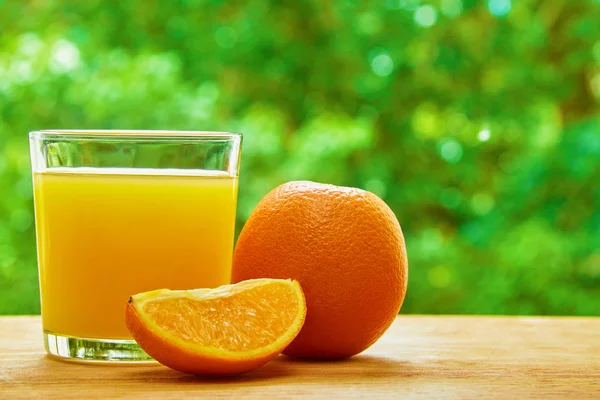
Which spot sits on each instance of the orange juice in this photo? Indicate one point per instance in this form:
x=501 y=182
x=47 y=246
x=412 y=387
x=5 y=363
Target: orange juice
x=105 y=234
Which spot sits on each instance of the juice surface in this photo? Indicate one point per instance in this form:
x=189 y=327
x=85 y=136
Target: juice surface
x=105 y=234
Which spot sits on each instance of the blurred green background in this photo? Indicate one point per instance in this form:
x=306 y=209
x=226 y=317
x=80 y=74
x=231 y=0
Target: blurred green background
x=478 y=122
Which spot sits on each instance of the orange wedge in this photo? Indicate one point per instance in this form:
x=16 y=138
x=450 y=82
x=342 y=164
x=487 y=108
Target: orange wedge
x=218 y=332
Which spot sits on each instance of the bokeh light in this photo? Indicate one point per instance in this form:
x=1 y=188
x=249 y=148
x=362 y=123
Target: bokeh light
x=450 y=150
x=484 y=135
x=451 y=8
x=499 y=8
x=382 y=64
x=425 y=16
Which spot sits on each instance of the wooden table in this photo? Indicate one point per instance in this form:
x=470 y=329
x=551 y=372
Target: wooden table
x=419 y=357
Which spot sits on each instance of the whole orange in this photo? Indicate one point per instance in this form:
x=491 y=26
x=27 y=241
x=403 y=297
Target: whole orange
x=345 y=247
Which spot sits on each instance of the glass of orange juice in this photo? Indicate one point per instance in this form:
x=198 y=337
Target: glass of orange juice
x=122 y=212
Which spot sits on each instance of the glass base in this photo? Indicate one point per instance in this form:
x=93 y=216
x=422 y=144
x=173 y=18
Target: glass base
x=94 y=350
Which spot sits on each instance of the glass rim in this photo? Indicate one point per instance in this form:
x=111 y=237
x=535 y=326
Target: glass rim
x=151 y=134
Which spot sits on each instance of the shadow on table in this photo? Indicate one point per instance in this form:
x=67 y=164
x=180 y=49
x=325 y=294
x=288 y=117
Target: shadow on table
x=313 y=371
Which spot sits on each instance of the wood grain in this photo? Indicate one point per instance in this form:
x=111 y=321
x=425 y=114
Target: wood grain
x=419 y=357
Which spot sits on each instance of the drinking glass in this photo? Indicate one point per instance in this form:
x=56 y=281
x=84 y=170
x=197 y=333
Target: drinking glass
x=123 y=212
